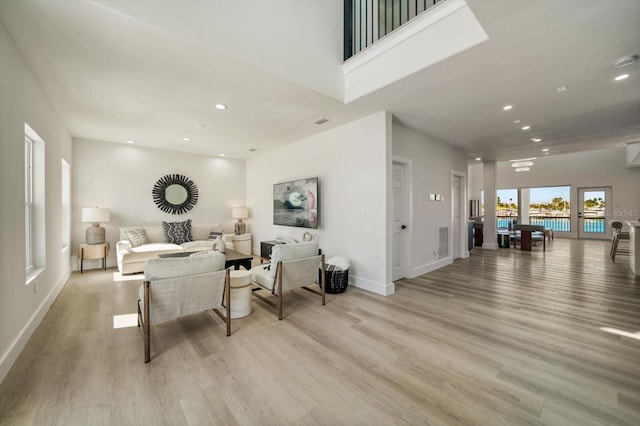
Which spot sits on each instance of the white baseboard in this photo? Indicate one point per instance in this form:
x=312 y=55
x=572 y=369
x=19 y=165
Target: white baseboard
x=429 y=267
x=490 y=246
x=372 y=286
x=9 y=357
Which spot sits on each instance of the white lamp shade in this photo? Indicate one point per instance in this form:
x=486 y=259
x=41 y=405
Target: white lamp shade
x=95 y=215
x=239 y=213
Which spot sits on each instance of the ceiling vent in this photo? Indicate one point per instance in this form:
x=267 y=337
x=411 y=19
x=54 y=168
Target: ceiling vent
x=321 y=120
x=625 y=61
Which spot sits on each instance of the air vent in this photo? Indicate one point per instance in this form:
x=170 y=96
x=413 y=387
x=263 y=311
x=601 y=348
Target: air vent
x=625 y=61
x=443 y=242
x=253 y=149
x=321 y=120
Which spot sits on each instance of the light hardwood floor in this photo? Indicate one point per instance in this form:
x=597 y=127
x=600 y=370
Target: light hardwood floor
x=502 y=338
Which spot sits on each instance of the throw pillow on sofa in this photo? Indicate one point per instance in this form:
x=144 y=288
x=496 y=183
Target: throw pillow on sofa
x=177 y=232
x=136 y=236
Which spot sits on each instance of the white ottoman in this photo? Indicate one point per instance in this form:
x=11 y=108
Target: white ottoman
x=240 y=293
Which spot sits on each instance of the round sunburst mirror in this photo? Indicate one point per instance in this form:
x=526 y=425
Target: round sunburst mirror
x=175 y=194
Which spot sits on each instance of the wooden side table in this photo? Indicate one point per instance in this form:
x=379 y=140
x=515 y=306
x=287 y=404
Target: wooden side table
x=93 y=251
x=242 y=243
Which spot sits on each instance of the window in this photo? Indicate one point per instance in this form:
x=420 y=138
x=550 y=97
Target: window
x=28 y=202
x=506 y=206
x=66 y=205
x=34 y=211
x=551 y=207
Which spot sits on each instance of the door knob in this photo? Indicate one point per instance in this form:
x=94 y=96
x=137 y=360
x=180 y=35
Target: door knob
x=403 y=227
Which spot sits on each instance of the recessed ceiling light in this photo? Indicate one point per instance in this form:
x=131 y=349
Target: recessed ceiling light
x=522 y=169
x=621 y=77
x=536 y=139
x=522 y=164
x=221 y=106
x=545 y=149
x=130 y=141
x=222 y=155
x=526 y=127
x=546 y=153
x=186 y=139
x=561 y=89
x=507 y=107
x=478 y=158
x=516 y=121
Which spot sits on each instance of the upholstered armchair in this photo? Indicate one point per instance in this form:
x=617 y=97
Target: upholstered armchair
x=292 y=266
x=180 y=286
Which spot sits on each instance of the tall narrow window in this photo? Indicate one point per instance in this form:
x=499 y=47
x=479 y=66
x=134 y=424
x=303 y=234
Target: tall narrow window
x=66 y=205
x=34 y=204
x=28 y=202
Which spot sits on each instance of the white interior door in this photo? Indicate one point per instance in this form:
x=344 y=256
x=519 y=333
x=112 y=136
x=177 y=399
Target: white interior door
x=455 y=216
x=592 y=205
x=399 y=221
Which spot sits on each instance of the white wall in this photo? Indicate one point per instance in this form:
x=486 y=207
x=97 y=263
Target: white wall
x=22 y=307
x=121 y=177
x=581 y=170
x=432 y=165
x=475 y=185
x=352 y=163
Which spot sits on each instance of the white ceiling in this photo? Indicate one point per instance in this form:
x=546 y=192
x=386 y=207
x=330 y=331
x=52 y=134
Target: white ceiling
x=151 y=71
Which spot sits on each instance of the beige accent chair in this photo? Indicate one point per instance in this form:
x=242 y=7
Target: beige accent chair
x=180 y=286
x=292 y=266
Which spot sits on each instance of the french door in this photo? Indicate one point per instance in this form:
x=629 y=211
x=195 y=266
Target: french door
x=593 y=204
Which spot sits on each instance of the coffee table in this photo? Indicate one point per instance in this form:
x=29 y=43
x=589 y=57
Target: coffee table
x=237 y=259
x=233 y=258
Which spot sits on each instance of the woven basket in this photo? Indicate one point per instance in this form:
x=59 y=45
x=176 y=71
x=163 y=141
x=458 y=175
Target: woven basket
x=336 y=281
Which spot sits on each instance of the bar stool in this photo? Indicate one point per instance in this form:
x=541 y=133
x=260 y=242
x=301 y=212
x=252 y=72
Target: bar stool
x=615 y=239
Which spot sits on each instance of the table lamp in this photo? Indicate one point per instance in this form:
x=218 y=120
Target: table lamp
x=240 y=213
x=94 y=215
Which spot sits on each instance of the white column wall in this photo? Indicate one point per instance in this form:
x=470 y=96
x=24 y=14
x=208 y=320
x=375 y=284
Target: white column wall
x=489 y=227
x=475 y=181
x=524 y=200
x=352 y=163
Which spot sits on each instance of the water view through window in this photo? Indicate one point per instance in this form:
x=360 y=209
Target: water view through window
x=548 y=206
x=593 y=211
x=551 y=207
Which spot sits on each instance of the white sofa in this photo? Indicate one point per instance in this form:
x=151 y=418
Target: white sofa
x=131 y=260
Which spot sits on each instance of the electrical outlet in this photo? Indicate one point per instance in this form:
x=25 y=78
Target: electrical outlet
x=359 y=214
